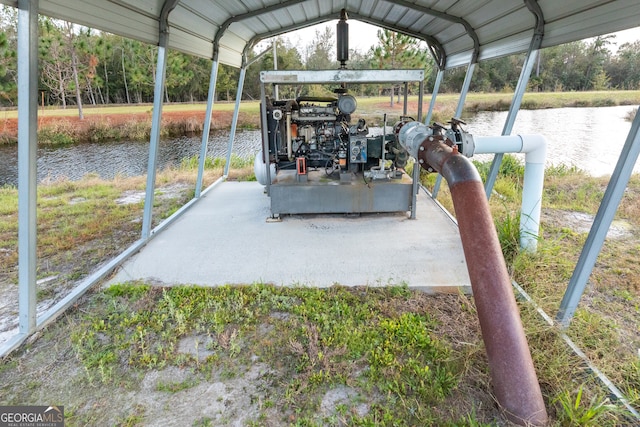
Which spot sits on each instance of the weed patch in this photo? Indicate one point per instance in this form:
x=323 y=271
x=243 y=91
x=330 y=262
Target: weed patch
x=265 y=355
x=315 y=339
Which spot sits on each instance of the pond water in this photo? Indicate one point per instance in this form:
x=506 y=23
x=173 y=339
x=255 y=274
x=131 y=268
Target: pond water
x=125 y=158
x=588 y=138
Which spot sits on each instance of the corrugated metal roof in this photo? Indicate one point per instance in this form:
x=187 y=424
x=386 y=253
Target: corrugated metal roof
x=455 y=29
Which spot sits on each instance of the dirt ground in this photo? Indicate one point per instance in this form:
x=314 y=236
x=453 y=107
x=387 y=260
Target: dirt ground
x=242 y=389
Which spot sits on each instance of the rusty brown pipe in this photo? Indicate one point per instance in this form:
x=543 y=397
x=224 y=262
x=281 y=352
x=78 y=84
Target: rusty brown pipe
x=515 y=383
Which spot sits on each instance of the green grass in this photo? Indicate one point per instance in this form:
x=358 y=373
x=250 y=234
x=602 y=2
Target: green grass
x=407 y=357
x=576 y=412
x=475 y=101
x=217 y=163
x=81 y=224
x=381 y=342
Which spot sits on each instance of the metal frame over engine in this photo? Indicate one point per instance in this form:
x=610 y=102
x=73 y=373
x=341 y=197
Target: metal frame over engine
x=322 y=159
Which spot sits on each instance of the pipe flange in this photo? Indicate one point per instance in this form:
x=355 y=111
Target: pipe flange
x=397 y=126
x=430 y=141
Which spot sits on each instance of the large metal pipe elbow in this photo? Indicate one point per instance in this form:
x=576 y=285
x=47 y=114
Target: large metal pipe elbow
x=515 y=383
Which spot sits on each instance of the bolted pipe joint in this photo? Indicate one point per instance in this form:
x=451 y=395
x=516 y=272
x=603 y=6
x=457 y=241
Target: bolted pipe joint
x=514 y=379
x=411 y=135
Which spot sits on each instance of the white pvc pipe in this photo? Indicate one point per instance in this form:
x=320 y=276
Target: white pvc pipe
x=535 y=149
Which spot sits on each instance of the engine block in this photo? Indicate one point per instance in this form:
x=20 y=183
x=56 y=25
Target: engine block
x=319 y=130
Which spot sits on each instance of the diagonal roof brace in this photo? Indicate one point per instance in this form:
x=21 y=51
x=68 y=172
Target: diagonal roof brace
x=167 y=7
x=538 y=31
x=435 y=47
x=455 y=19
x=163 y=19
x=308 y=23
x=535 y=8
x=226 y=24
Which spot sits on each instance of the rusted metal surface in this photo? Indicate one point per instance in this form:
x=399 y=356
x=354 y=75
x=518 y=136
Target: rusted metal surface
x=513 y=375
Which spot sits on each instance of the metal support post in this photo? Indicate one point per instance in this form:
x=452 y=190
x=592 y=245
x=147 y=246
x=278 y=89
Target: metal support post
x=234 y=121
x=207 y=124
x=523 y=80
x=458 y=113
x=265 y=139
x=602 y=222
x=155 y=134
x=275 y=67
x=405 y=106
x=420 y=99
x=27 y=161
x=434 y=94
x=415 y=176
x=465 y=89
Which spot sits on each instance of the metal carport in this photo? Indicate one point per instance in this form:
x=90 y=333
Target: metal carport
x=458 y=33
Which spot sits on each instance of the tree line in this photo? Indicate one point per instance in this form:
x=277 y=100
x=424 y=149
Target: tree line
x=80 y=66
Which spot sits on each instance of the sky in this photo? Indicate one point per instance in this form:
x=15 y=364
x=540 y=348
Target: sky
x=626 y=36
x=362 y=36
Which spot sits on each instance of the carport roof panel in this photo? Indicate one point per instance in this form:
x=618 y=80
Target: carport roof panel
x=501 y=27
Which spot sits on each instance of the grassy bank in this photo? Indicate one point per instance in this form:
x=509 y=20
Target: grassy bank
x=308 y=357
x=475 y=100
x=133 y=122
x=83 y=223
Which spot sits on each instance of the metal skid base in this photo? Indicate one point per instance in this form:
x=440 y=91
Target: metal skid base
x=317 y=193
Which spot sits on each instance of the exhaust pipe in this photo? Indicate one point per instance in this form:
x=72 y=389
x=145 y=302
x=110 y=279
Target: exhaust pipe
x=342 y=35
x=515 y=383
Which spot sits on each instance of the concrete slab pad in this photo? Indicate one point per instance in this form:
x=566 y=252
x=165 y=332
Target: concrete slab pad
x=225 y=238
